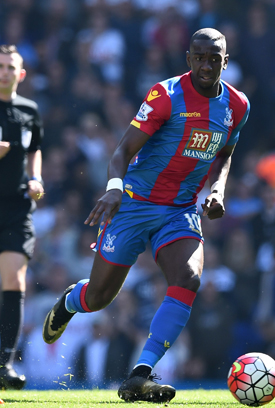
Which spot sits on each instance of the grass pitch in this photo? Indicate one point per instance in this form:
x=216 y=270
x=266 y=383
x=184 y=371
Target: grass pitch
x=109 y=399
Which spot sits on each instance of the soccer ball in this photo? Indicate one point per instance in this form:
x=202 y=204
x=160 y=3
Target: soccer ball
x=251 y=379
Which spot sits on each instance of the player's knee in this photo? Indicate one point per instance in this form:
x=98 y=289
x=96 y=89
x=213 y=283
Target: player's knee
x=191 y=282
x=13 y=282
x=194 y=283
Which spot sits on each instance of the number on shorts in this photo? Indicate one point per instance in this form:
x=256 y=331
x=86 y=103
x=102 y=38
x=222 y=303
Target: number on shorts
x=194 y=222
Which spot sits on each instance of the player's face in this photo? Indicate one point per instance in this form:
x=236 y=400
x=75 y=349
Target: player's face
x=11 y=72
x=207 y=59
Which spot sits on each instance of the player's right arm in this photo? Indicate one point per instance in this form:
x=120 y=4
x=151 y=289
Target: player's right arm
x=109 y=203
x=154 y=111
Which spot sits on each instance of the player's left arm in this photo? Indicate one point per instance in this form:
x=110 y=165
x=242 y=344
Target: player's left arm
x=213 y=206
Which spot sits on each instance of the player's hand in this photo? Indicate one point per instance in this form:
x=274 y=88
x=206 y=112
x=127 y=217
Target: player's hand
x=4 y=148
x=35 y=190
x=108 y=205
x=213 y=206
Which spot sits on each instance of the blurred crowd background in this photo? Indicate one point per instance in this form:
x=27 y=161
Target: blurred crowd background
x=89 y=65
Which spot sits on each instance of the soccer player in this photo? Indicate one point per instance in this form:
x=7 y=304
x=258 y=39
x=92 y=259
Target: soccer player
x=184 y=133
x=20 y=186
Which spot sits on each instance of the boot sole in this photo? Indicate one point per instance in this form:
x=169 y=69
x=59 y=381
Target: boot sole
x=165 y=396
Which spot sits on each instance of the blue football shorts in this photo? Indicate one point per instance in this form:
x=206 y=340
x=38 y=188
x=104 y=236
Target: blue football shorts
x=138 y=222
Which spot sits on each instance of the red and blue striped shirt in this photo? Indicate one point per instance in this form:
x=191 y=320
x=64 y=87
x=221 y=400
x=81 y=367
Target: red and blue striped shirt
x=187 y=132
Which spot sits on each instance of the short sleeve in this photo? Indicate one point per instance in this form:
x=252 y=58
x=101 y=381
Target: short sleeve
x=154 y=111
x=242 y=114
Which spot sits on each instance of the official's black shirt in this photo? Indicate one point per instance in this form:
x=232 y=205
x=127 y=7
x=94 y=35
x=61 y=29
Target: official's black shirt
x=21 y=125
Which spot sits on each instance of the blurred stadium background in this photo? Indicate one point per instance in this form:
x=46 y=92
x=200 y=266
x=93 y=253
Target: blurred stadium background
x=89 y=64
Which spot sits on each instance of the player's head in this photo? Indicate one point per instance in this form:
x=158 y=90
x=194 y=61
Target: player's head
x=11 y=49
x=11 y=68
x=207 y=58
x=209 y=34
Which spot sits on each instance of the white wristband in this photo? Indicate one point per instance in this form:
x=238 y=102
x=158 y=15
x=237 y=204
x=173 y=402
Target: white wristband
x=115 y=183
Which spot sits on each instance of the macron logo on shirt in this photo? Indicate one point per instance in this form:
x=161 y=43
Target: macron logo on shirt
x=190 y=114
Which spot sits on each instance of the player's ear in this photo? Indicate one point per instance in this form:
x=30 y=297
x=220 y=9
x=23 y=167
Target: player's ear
x=188 y=59
x=23 y=74
x=225 y=62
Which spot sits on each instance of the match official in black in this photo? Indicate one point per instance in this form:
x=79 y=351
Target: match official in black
x=21 y=185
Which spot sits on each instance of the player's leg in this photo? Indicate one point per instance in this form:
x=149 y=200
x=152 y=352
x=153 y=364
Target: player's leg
x=177 y=248
x=17 y=240
x=99 y=291
x=88 y=295
x=181 y=263
x=13 y=267
x=118 y=247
